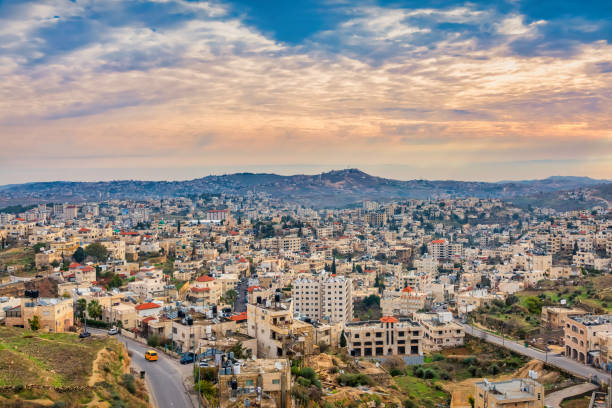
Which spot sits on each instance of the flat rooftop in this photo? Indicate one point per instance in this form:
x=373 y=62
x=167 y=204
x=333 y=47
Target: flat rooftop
x=517 y=389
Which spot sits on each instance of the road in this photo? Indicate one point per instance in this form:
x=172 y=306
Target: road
x=555 y=399
x=241 y=300
x=557 y=360
x=164 y=377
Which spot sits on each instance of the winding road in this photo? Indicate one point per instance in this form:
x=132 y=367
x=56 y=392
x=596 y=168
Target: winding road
x=164 y=377
x=557 y=360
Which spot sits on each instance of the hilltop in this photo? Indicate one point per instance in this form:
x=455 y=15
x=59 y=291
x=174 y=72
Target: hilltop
x=40 y=369
x=336 y=188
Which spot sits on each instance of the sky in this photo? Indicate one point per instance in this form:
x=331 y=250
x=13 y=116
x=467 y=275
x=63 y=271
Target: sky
x=178 y=89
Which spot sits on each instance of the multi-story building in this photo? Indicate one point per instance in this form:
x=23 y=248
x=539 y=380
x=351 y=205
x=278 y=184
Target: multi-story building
x=389 y=336
x=277 y=333
x=205 y=289
x=403 y=303
x=324 y=297
x=289 y=244
x=54 y=314
x=442 y=249
x=270 y=377
x=515 y=393
x=439 y=331
x=554 y=317
x=580 y=336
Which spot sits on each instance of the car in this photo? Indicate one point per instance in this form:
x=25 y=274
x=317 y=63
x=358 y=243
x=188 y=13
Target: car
x=84 y=334
x=188 y=358
x=113 y=331
x=202 y=363
x=151 y=355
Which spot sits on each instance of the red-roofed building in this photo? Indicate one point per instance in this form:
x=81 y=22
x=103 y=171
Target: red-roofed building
x=242 y=317
x=205 y=290
x=148 y=309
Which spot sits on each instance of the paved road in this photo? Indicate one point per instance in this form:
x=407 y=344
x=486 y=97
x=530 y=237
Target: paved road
x=241 y=300
x=164 y=377
x=554 y=400
x=557 y=360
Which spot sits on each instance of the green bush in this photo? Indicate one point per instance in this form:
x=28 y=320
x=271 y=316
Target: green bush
x=428 y=374
x=308 y=372
x=305 y=382
x=437 y=357
x=128 y=382
x=354 y=380
x=395 y=372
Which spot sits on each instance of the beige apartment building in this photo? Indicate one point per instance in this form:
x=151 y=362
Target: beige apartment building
x=554 y=317
x=580 y=336
x=205 y=290
x=403 y=303
x=515 y=393
x=290 y=244
x=439 y=331
x=324 y=297
x=54 y=314
x=386 y=337
x=277 y=334
x=271 y=377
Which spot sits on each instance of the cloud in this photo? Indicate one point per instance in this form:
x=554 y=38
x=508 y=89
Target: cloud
x=187 y=82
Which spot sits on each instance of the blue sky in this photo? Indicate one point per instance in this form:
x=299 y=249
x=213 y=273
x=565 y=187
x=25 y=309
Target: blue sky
x=174 y=88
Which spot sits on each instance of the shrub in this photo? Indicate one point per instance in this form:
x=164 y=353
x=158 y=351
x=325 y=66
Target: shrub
x=395 y=372
x=470 y=361
x=428 y=374
x=128 y=382
x=494 y=369
x=334 y=370
x=410 y=404
x=354 y=380
x=418 y=372
x=308 y=372
x=304 y=381
x=437 y=357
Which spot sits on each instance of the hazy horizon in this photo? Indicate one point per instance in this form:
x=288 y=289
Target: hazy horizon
x=281 y=173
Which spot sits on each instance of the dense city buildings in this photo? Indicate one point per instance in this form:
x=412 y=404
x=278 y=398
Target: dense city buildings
x=264 y=283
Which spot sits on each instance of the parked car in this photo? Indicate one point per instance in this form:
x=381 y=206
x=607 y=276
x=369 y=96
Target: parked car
x=202 y=363
x=84 y=334
x=188 y=358
x=113 y=331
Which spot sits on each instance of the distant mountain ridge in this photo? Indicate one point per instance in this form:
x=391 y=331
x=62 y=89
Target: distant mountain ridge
x=335 y=188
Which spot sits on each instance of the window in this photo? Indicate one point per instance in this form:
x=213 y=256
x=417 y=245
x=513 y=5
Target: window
x=275 y=381
x=249 y=383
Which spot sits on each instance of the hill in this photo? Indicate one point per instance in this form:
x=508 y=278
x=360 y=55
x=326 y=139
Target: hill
x=336 y=188
x=59 y=369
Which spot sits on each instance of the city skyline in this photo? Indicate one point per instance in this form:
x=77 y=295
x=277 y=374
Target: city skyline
x=158 y=90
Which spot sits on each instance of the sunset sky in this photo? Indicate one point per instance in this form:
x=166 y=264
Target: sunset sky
x=169 y=89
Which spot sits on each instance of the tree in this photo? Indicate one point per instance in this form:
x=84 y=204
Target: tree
x=115 y=282
x=342 y=339
x=97 y=251
x=94 y=309
x=178 y=226
x=79 y=255
x=333 y=266
x=230 y=296
x=81 y=306
x=38 y=246
x=34 y=323
x=471 y=401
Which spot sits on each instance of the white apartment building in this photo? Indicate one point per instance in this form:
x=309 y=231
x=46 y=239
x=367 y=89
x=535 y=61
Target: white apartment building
x=324 y=297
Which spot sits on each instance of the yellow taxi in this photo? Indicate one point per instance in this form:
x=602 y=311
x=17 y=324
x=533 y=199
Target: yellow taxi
x=151 y=355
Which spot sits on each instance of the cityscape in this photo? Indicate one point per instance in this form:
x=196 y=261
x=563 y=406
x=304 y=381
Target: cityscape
x=308 y=204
